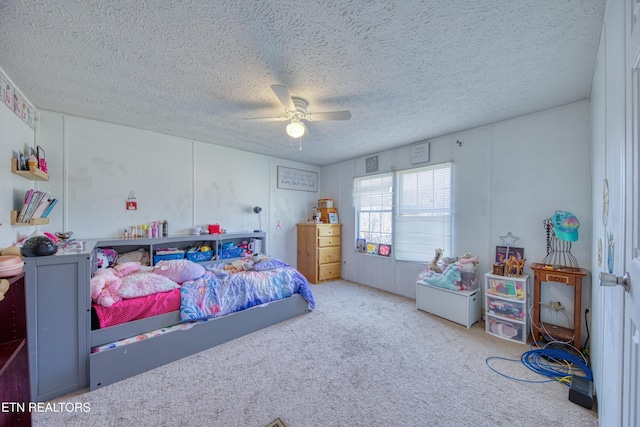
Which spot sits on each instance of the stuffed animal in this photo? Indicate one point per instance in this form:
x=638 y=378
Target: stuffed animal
x=433 y=265
x=447 y=280
x=126 y=268
x=104 y=287
x=467 y=258
x=449 y=259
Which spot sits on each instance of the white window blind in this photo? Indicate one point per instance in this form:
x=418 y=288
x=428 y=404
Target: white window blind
x=423 y=215
x=373 y=202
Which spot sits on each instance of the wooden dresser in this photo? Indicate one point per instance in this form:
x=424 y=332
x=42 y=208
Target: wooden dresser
x=319 y=251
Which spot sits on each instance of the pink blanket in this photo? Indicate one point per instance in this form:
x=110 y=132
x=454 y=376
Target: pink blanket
x=138 y=308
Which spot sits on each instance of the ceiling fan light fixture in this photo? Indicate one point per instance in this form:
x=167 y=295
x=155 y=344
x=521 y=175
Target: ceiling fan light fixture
x=295 y=129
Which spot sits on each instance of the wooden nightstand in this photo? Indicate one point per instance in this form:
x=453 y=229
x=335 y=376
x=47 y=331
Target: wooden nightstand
x=567 y=276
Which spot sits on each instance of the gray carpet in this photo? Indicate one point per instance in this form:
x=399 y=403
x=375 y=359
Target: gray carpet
x=363 y=357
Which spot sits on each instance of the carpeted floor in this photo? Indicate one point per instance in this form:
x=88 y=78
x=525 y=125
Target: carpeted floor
x=363 y=357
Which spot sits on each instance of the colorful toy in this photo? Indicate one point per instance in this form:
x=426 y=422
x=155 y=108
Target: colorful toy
x=433 y=265
x=449 y=279
x=104 y=287
x=468 y=259
x=514 y=266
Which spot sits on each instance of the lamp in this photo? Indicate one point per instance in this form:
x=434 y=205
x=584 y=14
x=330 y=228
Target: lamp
x=295 y=129
x=257 y=210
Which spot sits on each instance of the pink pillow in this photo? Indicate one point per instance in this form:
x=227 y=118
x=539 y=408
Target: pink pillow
x=179 y=270
x=126 y=268
x=145 y=283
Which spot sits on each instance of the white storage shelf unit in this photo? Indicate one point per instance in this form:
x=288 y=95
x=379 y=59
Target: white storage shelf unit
x=506 y=307
x=461 y=307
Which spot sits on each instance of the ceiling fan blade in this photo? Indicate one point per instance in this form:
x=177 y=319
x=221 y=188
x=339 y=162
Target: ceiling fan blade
x=284 y=96
x=267 y=119
x=332 y=115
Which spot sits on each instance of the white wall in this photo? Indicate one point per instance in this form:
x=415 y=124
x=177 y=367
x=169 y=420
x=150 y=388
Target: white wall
x=15 y=136
x=94 y=165
x=508 y=176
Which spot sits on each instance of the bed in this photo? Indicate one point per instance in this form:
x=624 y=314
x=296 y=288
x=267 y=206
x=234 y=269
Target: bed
x=224 y=303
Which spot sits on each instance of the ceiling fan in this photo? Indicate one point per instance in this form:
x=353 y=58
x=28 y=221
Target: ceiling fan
x=296 y=110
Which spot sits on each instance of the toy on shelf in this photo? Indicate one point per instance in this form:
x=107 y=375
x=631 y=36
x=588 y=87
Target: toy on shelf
x=498 y=269
x=514 y=266
x=454 y=273
x=449 y=279
x=433 y=265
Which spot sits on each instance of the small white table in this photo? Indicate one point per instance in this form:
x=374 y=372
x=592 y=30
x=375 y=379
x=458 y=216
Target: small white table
x=462 y=307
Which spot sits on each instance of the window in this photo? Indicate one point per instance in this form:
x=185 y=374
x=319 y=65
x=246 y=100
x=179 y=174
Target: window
x=423 y=218
x=373 y=200
x=422 y=221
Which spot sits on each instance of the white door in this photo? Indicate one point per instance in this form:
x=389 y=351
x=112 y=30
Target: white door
x=631 y=338
x=609 y=157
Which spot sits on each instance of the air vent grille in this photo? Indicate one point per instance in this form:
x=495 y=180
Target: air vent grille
x=277 y=423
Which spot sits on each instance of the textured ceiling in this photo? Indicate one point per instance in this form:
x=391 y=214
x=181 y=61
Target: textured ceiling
x=407 y=70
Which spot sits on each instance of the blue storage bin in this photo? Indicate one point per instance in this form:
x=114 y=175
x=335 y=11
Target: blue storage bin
x=230 y=253
x=167 y=257
x=199 y=256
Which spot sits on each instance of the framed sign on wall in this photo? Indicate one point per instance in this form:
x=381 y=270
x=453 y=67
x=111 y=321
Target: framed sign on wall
x=420 y=153
x=297 y=179
x=371 y=164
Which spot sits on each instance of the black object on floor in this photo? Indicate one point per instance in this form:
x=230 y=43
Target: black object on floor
x=581 y=392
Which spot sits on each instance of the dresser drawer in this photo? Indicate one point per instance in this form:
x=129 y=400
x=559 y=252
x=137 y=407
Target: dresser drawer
x=559 y=278
x=329 y=254
x=329 y=271
x=328 y=231
x=328 y=241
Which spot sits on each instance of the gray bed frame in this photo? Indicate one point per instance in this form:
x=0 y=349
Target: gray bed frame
x=110 y=366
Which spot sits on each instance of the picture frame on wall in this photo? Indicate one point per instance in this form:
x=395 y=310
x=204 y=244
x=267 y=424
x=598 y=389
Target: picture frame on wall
x=297 y=179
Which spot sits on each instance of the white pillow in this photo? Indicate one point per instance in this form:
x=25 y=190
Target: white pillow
x=145 y=283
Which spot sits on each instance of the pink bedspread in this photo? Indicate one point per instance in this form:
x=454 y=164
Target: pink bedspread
x=138 y=308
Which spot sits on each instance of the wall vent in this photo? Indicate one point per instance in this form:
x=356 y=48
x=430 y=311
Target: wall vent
x=277 y=423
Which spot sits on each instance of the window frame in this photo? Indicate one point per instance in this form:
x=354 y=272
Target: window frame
x=403 y=217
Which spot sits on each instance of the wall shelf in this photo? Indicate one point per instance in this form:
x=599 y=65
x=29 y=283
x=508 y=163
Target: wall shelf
x=33 y=221
x=33 y=174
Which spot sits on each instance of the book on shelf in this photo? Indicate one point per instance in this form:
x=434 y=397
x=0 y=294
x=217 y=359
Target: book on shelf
x=39 y=210
x=36 y=203
x=49 y=208
x=25 y=205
